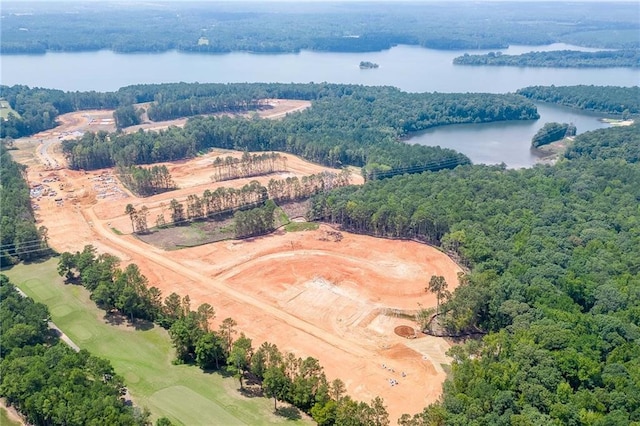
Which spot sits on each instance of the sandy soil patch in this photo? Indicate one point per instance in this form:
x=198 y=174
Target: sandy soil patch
x=192 y=176
x=275 y=109
x=616 y=122
x=12 y=413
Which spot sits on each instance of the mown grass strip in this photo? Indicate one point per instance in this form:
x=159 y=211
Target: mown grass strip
x=143 y=357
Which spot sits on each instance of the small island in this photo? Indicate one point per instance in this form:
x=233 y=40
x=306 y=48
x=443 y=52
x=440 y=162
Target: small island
x=366 y=65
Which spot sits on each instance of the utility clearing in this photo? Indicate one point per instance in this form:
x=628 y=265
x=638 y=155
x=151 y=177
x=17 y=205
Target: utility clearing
x=323 y=293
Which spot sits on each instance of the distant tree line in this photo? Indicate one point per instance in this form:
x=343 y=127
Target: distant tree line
x=146 y=181
x=213 y=203
x=553 y=279
x=19 y=236
x=46 y=381
x=346 y=125
x=248 y=165
x=619 y=144
x=552 y=132
x=39 y=108
x=629 y=58
x=604 y=99
x=126 y=116
x=202 y=105
x=253 y=206
x=296 y=189
x=343 y=28
x=284 y=377
x=256 y=221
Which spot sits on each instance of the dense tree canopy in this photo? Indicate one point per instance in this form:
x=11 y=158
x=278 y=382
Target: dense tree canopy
x=20 y=240
x=605 y=99
x=554 y=278
x=113 y=288
x=38 y=108
x=346 y=125
x=557 y=59
x=338 y=27
x=608 y=145
x=48 y=382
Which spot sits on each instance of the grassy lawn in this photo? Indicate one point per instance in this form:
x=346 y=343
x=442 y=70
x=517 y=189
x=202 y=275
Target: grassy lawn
x=184 y=394
x=5 y=420
x=5 y=109
x=301 y=226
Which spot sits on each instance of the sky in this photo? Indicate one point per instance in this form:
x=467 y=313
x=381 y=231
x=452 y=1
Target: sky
x=316 y=1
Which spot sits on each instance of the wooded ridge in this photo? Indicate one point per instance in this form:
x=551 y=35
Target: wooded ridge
x=333 y=27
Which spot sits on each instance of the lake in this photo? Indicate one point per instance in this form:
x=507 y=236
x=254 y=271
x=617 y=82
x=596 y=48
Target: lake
x=505 y=142
x=410 y=68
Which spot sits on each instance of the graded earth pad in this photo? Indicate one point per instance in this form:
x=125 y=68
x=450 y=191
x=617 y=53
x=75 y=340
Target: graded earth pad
x=324 y=293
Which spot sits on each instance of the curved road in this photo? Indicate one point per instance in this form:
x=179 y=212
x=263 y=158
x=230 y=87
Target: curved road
x=43 y=152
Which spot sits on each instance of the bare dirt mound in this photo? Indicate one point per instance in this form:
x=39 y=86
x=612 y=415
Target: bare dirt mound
x=405 y=331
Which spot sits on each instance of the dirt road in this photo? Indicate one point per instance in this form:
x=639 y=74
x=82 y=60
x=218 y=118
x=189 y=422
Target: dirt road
x=130 y=244
x=311 y=297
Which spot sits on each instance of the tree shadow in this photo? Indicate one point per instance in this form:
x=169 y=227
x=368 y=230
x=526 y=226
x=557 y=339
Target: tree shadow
x=289 y=413
x=54 y=332
x=251 y=391
x=222 y=371
x=117 y=318
x=7 y=265
x=114 y=318
x=41 y=259
x=251 y=380
x=72 y=281
x=143 y=325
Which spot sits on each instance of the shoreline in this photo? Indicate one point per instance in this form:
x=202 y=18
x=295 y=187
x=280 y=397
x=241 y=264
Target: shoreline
x=617 y=121
x=549 y=154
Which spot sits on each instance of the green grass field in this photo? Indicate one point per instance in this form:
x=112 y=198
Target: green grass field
x=184 y=394
x=5 y=109
x=301 y=226
x=5 y=420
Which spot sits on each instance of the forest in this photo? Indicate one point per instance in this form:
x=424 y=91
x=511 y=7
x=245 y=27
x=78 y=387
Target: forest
x=346 y=125
x=624 y=101
x=39 y=108
x=384 y=106
x=554 y=279
x=275 y=27
x=146 y=181
x=253 y=206
x=554 y=275
x=248 y=165
x=629 y=58
x=20 y=239
x=49 y=383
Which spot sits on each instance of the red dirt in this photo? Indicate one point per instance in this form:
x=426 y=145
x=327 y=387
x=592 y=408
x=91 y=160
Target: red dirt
x=331 y=300
x=405 y=331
